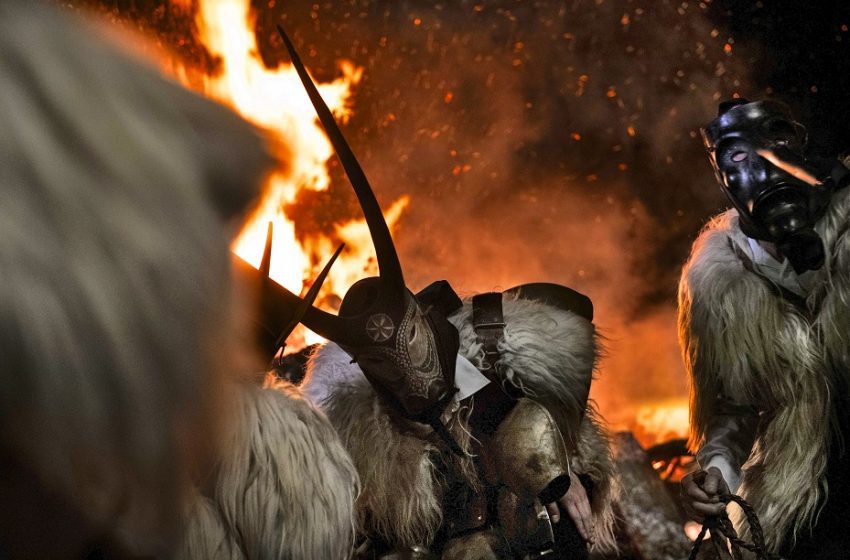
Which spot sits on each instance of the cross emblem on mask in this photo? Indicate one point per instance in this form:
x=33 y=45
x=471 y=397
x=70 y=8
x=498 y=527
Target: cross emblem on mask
x=380 y=327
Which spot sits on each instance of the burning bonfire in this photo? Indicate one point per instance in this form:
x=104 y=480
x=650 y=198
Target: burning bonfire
x=233 y=72
x=273 y=99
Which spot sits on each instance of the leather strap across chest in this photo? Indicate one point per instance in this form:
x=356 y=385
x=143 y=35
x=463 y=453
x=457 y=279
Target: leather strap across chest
x=488 y=321
x=496 y=400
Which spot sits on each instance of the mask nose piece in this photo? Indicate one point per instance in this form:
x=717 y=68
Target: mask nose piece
x=783 y=210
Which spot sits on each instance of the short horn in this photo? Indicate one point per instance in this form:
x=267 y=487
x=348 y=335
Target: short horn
x=279 y=306
x=308 y=300
x=266 y=261
x=281 y=310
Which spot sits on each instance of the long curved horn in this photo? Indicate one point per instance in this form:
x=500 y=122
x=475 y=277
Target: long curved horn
x=388 y=263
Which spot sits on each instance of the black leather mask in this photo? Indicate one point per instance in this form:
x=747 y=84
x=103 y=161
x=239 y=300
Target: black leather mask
x=757 y=151
x=407 y=351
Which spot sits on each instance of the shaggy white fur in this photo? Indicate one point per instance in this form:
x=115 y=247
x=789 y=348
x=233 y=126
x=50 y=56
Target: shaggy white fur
x=547 y=352
x=739 y=337
x=115 y=293
x=205 y=535
x=284 y=488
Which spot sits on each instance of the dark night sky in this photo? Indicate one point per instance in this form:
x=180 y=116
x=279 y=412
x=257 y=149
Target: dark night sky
x=547 y=140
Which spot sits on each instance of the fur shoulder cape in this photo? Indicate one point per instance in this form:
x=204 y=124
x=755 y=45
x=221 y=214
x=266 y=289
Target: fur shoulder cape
x=284 y=489
x=741 y=338
x=549 y=353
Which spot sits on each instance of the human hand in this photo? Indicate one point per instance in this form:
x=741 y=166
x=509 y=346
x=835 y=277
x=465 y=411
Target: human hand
x=577 y=505
x=701 y=492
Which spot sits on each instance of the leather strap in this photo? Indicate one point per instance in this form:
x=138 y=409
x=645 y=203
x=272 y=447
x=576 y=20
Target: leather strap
x=488 y=321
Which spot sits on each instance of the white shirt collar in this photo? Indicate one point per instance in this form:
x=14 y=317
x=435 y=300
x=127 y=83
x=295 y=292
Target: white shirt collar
x=780 y=273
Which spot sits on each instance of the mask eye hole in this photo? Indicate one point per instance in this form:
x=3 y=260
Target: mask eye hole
x=782 y=132
x=418 y=347
x=739 y=156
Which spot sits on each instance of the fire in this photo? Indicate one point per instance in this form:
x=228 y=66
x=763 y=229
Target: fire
x=274 y=99
x=657 y=422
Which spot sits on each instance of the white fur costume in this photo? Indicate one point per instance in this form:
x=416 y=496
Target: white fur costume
x=284 y=487
x=741 y=338
x=547 y=352
x=116 y=330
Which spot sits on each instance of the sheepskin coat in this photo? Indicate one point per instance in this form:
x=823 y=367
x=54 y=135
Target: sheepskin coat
x=284 y=487
x=549 y=353
x=117 y=310
x=741 y=338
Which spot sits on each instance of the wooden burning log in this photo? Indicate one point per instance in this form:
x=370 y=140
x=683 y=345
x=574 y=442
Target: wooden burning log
x=652 y=524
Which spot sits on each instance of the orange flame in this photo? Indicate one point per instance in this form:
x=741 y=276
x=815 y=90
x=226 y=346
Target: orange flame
x=274 y=99
x=661 y=421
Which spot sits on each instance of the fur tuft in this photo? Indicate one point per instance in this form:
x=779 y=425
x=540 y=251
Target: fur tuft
x=401 y=500
x=595 y=459
x=205 y=535
x=548 y=353
x=115 y=314
x=285 y=487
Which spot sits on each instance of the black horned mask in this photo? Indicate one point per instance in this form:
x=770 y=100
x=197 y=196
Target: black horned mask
x=757 y=151
x=403 y=342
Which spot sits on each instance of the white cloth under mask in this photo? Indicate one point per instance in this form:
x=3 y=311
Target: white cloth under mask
x=780 y=273
x=468 y=379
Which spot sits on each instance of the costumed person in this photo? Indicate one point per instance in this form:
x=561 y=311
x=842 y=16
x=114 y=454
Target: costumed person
x=117 y=325
x=468 y=423
x=764 y=324
x=283 y=487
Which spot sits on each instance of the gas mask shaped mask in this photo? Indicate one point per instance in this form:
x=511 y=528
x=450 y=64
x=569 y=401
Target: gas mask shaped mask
x=757 y=151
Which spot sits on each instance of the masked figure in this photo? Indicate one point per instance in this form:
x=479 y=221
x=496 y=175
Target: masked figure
x=521 y=435
x=463 y=419
x=764 y=324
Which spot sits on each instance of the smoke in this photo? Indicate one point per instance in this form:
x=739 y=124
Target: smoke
x=539 y=141
x=544 y=142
